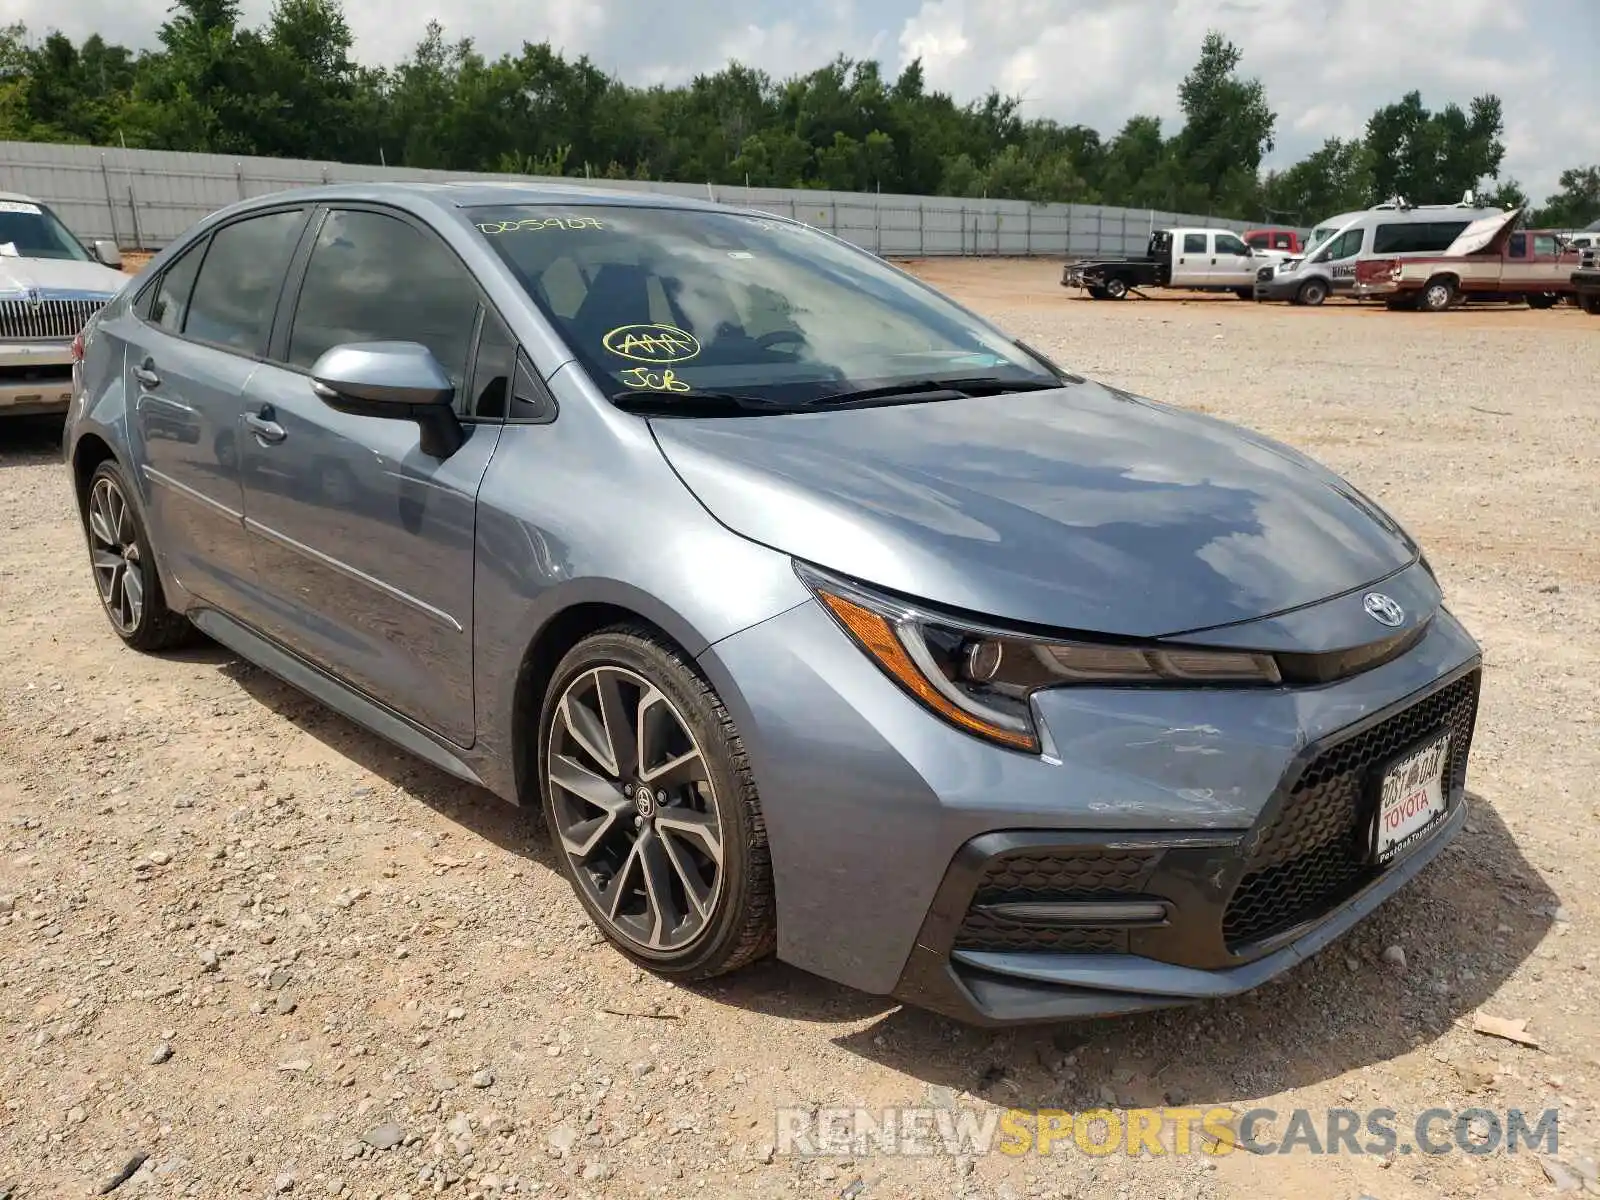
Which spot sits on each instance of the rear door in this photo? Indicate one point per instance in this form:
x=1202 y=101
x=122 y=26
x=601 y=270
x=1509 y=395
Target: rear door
x=1191 y=260
x=363 y=543
x=203 y=324
x=1231 y=262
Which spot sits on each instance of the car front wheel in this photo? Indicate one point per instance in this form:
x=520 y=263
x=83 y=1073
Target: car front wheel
x=652 y=807
x=125 y=566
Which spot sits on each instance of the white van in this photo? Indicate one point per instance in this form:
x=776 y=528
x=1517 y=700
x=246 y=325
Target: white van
x=1393 y=230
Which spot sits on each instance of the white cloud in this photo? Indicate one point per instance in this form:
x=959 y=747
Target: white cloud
x=1326 y=63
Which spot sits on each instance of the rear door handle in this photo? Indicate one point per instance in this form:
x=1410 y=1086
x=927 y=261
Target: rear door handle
x=264 y=427
x=145 y=374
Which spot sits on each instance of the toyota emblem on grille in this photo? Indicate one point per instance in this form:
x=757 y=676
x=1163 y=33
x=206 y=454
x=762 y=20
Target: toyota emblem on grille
x=1382 y=609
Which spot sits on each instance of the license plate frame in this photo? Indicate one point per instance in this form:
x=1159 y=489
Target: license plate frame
x=1406 y=810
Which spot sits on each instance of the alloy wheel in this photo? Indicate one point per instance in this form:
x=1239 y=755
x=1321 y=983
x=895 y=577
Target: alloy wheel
x=114 y=551
x=635 y=809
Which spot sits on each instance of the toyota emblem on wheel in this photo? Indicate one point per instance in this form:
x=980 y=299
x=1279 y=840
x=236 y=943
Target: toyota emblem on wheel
x=1382 y=609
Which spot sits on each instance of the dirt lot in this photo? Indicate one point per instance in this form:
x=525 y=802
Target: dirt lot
x=244 y=938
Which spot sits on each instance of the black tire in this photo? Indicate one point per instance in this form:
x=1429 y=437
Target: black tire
x=1590 y=303
x=143 y=621
x=1097 y=293
x=742 y=921
x=1542 y=300
x=1438 y=294
x=1312 y=293
x=1248 y=293
x=1116 y=288
x=1401 y=304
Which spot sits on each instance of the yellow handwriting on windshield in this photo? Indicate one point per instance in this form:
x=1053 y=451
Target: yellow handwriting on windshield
x=535 y=223
x=654 y=381
x=652 y=343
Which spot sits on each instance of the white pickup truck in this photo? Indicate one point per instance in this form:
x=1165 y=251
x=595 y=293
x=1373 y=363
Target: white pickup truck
x=50 y=285
x=1199 y=260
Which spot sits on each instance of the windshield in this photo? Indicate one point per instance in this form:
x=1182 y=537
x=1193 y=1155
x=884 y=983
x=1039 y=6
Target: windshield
x=29 y=231
x=668 y=301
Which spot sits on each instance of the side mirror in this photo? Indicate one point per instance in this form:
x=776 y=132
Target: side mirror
x=107 y=253
x=400 y=381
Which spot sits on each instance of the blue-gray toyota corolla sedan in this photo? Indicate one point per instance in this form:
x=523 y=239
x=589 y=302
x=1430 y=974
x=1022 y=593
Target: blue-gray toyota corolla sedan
x=817 y=615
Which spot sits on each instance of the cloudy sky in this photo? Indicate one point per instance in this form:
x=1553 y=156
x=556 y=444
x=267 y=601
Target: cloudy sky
x=1326 y=63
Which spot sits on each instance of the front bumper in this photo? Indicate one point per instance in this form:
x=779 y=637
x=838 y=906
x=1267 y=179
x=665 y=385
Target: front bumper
x=35 y=377
x=1273 y=284
x=881 y=819
x=1237 y=911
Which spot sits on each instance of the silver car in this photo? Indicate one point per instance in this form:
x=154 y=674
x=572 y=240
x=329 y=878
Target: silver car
x=816 y=614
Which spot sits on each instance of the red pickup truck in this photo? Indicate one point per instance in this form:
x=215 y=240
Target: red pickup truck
x=1491 y=259
x=1274 y=239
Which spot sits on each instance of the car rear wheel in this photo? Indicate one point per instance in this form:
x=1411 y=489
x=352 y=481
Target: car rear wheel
x=1312 y=293
x=1439 y=294
x=1542 y=300
x=1590 y=303
x=1117 y=289
x=125 y=566
x=652 y=807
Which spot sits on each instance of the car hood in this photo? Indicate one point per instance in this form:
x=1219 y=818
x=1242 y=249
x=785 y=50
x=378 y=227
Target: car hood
x=1082 y=508
x=57 y=279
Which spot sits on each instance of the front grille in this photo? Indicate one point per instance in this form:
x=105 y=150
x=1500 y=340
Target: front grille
x=58 y=320
x=1087 y=874
x=1312 y=854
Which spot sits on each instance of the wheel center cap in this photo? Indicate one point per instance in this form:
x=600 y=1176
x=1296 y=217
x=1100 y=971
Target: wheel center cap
x=644 y=802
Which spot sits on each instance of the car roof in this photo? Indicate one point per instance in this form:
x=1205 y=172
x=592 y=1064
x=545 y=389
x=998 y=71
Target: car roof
x=479 y=193
x=17 y=196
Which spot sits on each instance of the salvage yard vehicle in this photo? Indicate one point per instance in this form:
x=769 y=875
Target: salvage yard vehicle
x=1586 y=282
x=1286 y=240
x=1490 y=260
x=1328 y=267
x=817 y=614
x=50 y=285
x=1197 y=260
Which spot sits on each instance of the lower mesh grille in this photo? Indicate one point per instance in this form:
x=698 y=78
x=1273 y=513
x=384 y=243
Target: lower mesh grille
x=1311 y=855
x=1090 y=874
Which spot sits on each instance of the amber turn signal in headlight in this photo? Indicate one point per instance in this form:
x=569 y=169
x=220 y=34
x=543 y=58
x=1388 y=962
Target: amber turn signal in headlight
x=980 y=679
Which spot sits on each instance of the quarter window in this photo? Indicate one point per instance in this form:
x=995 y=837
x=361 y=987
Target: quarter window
x=172 y=291
x=237 y=290
x=493 y=368
x=376 y=278
x=1194 y=243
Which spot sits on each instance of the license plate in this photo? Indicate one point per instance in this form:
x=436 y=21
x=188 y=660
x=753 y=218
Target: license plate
x=1411 y=800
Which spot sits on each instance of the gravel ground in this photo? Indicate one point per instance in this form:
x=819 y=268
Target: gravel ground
x=246 y=940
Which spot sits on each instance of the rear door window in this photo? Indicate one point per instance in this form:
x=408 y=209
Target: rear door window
x=237 y=289
x=1194 y=243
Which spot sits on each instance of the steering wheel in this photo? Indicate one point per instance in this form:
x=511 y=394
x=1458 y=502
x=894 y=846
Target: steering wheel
x=778 y=337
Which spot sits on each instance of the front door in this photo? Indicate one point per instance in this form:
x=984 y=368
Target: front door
x=188 y=363
x=363 y=543
x=1231 y=262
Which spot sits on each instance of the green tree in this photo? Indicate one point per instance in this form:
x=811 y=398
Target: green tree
x=1335 y=178
x=1575 y=205
x=1227 y=128
x=1434 y=158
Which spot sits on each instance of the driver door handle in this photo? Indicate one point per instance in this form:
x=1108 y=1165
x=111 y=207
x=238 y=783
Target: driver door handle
x=264 y=427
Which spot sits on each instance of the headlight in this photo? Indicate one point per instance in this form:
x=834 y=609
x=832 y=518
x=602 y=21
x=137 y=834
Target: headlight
x=979 y=678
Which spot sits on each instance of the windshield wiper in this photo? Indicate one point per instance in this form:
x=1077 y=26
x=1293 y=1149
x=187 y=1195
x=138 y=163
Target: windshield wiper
x=934 y=389
x=697 y=403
